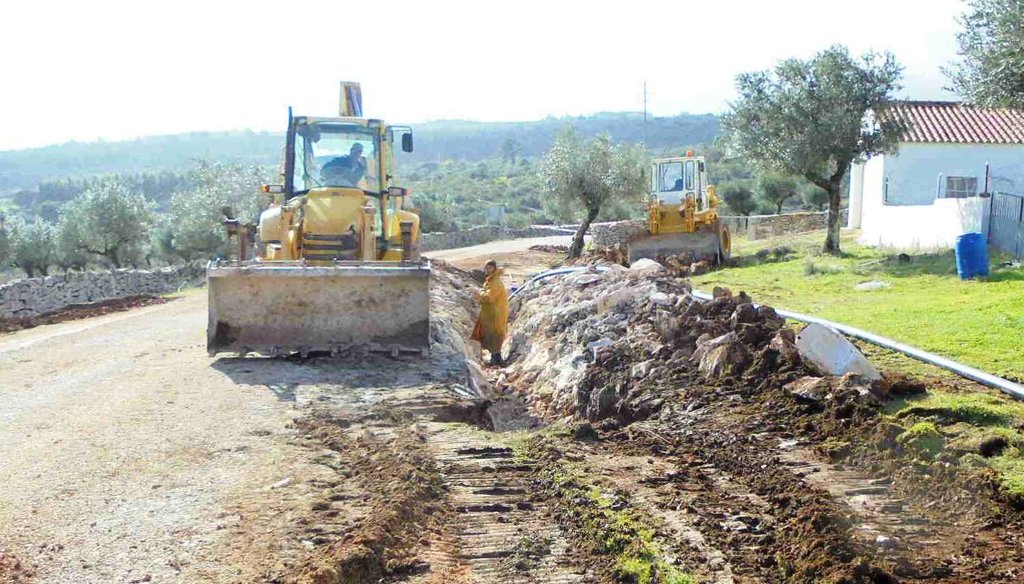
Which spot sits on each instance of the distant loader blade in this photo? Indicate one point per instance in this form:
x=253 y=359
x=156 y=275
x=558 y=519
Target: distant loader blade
x=704 y=244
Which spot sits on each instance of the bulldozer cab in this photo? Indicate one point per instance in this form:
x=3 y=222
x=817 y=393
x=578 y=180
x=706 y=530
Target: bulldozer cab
x=335 y=154
x=675 y=180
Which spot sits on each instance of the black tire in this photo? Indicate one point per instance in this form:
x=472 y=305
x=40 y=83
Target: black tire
x=724 y=243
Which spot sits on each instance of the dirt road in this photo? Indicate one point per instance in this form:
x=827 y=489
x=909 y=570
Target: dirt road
x=128 y=455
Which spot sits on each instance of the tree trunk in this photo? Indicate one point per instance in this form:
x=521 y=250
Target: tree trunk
x=30 y=272
x=832 y=238
x=835 y=193
x=778 y=209
x=576 y=249
x=111 y=256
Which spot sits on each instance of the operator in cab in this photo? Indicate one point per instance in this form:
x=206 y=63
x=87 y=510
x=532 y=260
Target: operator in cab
x=346 y=170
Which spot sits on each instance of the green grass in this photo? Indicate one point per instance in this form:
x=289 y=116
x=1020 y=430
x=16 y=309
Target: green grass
x=964 y=421
x=978 y=322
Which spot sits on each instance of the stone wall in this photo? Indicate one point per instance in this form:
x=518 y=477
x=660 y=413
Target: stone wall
x=754 y=227
x=604 y=235
x=484 y=234
x=762 y=226
x=34 y=296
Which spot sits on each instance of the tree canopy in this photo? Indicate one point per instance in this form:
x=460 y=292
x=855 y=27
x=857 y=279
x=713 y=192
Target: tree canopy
x=738 y=197
x=588 y=175
x=990 y=71
x=776 y=189
x=812 y=118
x=32 y=246
x=108 y=220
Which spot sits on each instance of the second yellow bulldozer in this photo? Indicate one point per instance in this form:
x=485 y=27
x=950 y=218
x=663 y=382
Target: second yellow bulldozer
x=337 y=260
x=682 y=214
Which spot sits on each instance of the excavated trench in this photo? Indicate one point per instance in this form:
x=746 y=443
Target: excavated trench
x=628 y=461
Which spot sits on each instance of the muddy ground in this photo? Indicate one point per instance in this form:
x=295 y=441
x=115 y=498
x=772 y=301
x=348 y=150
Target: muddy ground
x=131 y=457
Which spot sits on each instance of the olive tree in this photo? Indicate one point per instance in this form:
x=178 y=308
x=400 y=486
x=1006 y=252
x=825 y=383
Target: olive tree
x=813 y=118
x=776 y=189
x=588 y=175
x=813 y=196
x=196 y=216
x=990 y=71
x=109 y=220
x=32 y=246
x=739 y=197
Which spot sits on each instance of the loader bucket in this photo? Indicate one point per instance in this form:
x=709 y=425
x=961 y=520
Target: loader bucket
x=709 y=242
x=278 y=309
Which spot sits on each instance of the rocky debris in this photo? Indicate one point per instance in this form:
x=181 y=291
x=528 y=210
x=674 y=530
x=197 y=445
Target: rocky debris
x=809 y=388
x=616 y=344
x=829 y=353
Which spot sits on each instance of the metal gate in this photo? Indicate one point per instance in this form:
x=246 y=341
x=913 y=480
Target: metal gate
x=1006 y=223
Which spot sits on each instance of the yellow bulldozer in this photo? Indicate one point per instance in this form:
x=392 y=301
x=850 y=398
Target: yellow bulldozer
x=682 y=214
x=337 y=263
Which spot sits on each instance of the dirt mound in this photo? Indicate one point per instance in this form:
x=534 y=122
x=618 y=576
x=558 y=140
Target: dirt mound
x=79 y=311
x=616 y=344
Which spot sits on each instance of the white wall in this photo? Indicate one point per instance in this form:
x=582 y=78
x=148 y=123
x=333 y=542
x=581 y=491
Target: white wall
x=914 y=217
x=914 y=172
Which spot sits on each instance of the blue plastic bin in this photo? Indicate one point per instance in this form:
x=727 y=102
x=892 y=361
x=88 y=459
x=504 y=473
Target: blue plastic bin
x=971 y=256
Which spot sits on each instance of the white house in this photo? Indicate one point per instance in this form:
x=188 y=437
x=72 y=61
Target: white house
x=929 y=192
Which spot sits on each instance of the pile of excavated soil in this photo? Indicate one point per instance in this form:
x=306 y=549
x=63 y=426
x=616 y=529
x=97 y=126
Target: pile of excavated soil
x=800 y=478
x=80 y=311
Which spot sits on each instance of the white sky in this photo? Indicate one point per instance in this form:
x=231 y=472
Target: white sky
x=83 y=70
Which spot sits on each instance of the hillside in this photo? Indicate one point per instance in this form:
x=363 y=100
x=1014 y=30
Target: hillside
x=440 y=140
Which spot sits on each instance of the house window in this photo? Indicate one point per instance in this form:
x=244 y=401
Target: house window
x=959 y=187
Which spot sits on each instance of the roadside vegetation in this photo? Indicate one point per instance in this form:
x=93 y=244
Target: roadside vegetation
x=915 y=298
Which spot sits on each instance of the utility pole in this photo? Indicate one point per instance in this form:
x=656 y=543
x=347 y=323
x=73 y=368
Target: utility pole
x=645 y=114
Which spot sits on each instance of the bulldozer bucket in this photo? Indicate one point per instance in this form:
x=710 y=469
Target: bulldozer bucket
x=709 y=242
x=278 y=309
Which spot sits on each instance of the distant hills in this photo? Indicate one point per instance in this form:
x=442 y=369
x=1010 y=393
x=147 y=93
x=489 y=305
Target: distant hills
x=439 y=140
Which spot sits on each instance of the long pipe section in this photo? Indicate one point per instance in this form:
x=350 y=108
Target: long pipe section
x=1004 y=385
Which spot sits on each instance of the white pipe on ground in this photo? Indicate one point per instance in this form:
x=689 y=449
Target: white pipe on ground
x=1006 y=386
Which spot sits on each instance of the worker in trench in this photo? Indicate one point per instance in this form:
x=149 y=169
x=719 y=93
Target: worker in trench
x=492 y=324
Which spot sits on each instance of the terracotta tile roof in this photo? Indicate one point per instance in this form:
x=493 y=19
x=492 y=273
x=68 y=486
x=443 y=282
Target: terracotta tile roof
x=954 y=122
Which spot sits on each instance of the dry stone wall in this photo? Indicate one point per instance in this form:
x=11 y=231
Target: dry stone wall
x=34 y=296
x=762 y=226
x=753 y=226
x=616 y=232
x=484 y=234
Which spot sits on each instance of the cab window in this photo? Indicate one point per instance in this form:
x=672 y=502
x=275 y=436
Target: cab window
x=670 y=177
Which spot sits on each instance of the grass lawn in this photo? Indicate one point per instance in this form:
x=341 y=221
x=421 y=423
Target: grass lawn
x=922 y=301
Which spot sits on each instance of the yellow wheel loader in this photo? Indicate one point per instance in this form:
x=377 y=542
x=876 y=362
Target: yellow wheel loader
x=337 y=262
x=682 y=214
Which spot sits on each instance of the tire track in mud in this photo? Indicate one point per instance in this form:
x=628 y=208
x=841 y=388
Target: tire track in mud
x=500 y=533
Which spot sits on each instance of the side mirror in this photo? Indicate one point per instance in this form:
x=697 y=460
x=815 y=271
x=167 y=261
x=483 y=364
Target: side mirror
x=700 y=165
x=398 y=191
x=407 y=142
